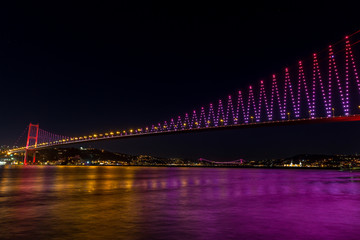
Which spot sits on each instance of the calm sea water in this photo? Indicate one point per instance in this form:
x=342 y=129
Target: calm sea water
x=62 y=202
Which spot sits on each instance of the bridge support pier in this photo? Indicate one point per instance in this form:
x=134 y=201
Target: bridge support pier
x=26 y=156
x=31 y=142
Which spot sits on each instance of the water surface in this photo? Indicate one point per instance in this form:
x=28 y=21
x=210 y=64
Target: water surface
x=63 y=202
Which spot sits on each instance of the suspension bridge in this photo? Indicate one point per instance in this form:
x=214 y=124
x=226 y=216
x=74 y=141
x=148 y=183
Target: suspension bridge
x=322 y=88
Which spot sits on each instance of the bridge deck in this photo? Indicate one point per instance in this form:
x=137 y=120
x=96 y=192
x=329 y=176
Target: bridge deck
x=350 y=118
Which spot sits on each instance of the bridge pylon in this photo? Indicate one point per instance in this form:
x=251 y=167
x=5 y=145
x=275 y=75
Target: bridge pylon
x=31 y=142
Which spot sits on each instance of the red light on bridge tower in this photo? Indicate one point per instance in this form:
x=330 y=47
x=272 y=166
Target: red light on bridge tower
x=31 y=141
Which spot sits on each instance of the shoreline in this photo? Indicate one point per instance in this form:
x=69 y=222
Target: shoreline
x=193 y=166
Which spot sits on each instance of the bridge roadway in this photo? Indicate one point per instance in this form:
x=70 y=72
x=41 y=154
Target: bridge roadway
x=350 y=118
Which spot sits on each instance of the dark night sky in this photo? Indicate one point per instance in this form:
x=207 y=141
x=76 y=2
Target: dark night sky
x=82 y=69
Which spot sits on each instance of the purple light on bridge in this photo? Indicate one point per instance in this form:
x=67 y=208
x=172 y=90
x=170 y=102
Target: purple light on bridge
x=332 y=66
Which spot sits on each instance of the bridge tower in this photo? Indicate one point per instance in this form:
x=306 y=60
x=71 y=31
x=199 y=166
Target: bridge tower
x=31 y=141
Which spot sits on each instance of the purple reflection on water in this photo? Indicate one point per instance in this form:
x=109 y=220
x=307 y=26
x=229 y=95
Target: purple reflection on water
x=178 y=203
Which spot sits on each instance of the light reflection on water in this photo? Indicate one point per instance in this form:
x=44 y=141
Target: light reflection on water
x=63 y=202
